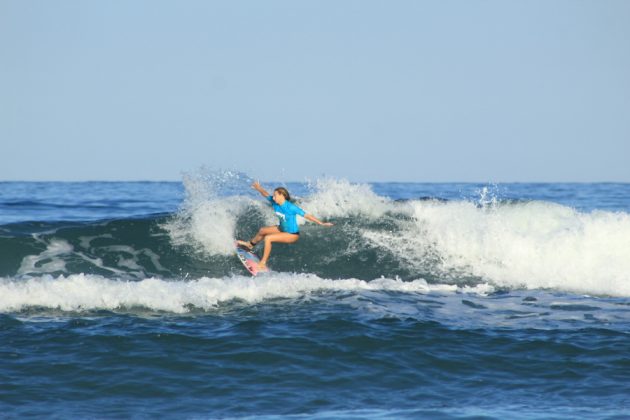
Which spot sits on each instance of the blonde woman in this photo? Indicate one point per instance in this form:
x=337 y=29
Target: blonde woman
x=287 y=231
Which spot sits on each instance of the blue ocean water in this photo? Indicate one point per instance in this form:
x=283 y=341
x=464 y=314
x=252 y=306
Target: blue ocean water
x=423 y=301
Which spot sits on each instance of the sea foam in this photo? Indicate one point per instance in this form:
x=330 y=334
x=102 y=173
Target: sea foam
x=84 y=292
x=531 y=245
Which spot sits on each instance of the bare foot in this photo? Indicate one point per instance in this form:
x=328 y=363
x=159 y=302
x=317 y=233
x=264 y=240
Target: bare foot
x=245 y=244
x=262 y=266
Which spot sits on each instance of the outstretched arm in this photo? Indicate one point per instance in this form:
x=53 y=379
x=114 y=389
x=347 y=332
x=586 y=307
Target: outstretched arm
x=316 y=220
x=261 y=190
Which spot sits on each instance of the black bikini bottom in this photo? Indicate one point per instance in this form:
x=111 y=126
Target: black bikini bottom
x=292 y=233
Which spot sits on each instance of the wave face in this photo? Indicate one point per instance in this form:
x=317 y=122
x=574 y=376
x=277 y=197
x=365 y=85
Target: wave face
x=507 y=243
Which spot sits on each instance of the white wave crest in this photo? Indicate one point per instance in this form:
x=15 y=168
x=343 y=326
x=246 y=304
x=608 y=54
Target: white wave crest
x=340 y=198
x=83 y=292
x=206 y=220
x=531 y=245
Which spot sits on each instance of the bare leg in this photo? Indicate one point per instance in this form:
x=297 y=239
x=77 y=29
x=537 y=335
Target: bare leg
x=282 y=237
x=264 y=231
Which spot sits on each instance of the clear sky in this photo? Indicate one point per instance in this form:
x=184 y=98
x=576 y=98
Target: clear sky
x=480 y=91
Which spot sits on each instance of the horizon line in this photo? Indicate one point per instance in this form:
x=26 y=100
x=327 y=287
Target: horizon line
x=157 y=181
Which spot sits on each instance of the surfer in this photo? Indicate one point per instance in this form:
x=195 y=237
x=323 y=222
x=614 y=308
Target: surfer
x=287 y=232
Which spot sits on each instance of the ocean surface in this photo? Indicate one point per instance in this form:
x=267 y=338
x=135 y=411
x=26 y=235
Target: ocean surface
x=126 y=300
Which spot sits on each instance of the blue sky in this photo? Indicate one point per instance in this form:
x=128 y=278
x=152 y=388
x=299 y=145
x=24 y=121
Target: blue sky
x=480 y=91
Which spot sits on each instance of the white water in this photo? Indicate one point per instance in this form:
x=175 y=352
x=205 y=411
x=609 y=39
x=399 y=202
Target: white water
x=531 y=245
x=519 y=245
x=81 y=292
x=460 y=307
x=206 y=221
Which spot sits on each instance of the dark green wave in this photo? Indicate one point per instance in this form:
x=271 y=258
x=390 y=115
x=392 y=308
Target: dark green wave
x=142 y=247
